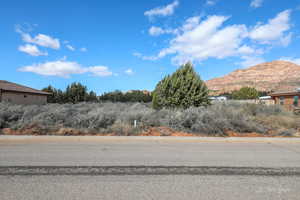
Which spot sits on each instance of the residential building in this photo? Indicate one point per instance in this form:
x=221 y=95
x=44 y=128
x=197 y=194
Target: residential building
x=19 y=94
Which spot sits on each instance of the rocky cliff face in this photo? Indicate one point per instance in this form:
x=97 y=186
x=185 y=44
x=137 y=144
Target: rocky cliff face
x=270 y=76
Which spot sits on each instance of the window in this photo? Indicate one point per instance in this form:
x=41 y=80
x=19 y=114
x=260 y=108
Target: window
x=296 y=101
x=281 y=100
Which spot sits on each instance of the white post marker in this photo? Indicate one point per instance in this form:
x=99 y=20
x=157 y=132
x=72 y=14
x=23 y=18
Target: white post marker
x=135 y=123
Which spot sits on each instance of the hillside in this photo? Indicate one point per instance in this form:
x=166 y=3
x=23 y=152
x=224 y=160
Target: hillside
x=269 y=76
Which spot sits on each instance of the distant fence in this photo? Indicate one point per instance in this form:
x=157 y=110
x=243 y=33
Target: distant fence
x=254 y=101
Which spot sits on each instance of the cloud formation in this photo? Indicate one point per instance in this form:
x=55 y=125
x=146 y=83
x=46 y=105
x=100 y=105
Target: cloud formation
x=42 y=40
x=200 y=41
x=273 y=31
x=65 y=69
x=143 y=57
x=211 y=2
x=156 y=31
x=70 y=47
x=200 y=38
x=162 y=11
x=249 y=61
x=291 y=59
x=31 y=50
x=129 y=72
x=256 y=3
x=83 y=49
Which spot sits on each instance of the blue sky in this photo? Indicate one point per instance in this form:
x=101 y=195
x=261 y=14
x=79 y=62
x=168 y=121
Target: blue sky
x=132 y=44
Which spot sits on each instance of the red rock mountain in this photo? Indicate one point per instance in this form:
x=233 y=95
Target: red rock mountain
x=270 y=76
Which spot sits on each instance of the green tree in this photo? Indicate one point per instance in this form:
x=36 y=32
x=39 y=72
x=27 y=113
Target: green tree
x=57 y=96
x=91 y=97
x=182 y=89
x=51 y=98
x=245 y=93
x=76 y=92
x=131 y=96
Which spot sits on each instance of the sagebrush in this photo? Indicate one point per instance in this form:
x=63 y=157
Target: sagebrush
x=118 y=118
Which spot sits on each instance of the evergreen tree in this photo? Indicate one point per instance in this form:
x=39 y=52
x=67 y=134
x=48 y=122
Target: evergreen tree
x=245 y=93
x=92 y=97
x=182 y=89
x=53 y=94
x=76 y=92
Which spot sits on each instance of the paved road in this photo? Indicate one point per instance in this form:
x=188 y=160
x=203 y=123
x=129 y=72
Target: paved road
x=149 y=187
x=149 y=168
x=89 y=151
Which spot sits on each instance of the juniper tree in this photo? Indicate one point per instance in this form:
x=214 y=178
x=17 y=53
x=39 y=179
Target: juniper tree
x=182 y=89
x=246 y=93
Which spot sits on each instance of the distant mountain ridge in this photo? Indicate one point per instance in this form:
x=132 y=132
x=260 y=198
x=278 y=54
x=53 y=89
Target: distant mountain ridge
x=269 y=76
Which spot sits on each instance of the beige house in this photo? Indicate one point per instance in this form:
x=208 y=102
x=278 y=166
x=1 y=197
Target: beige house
x=19 y=94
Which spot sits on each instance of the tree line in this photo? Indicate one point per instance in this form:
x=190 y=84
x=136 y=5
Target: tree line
x=245 y=93
x=182 y=89
x=76 y=93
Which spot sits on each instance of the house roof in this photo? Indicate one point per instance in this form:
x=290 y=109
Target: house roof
x=13 y=87
x=286 y=93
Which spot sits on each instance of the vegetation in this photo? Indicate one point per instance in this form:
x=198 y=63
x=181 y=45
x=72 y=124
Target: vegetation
x=118 y=118
x=182 y=89
x=245 y=93
x=76 y=93
x=132 y=96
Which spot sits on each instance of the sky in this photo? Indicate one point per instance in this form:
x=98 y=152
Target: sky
x=126 y=45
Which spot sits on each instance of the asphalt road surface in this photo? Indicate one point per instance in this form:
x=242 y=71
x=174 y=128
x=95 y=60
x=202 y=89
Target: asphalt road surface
x=149 y=168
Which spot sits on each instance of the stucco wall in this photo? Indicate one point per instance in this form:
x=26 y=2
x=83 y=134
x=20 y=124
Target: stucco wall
x=287 y=103
x=23 y=98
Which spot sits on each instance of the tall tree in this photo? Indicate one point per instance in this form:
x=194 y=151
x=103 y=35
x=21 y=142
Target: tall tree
x=76 y=92
x=92 y=97
x=184 y=88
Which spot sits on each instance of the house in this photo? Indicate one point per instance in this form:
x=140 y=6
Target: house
x=289 y=99
x=267 y=100
x=19 y=94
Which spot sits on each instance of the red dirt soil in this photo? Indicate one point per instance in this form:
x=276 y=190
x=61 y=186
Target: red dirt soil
x=152 y=131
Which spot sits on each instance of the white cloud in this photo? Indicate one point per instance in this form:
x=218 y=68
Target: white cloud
x=32 y=50
x=141 y=56
x=162 y=11
x=245 y=49
x=156 y=31
x=256 y=3
x=191 y=23
x=71 y=48
x=83 y=49
x=206 y=40
x=211 y=2
x=274 y=30
x=291 y=59
x=202 y=38
x=41 y=40
x=249 y=61
x=129 y=72
x=99 y=71
x=65 y=69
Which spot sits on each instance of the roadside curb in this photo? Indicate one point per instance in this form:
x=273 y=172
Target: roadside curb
x=10 y=138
